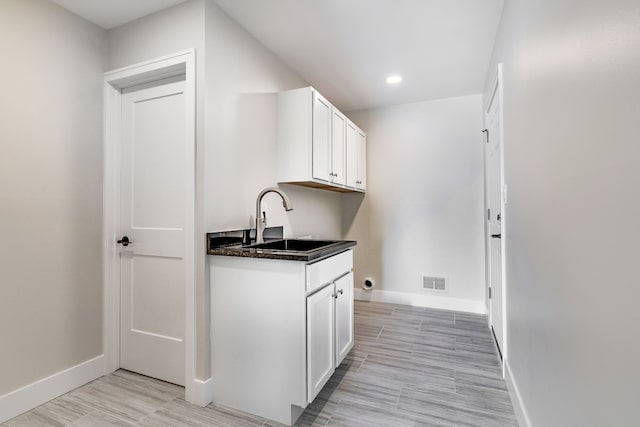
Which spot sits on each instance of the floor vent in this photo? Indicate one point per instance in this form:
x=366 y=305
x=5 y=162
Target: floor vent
x=433 y=283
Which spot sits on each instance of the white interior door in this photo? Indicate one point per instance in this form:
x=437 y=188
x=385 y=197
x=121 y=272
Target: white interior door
x=153 y=206
x=494 y=218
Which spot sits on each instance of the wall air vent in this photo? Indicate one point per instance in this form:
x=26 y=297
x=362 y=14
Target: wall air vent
x=434 y=283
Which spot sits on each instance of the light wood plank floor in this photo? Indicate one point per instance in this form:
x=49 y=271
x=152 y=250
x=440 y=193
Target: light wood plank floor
x=409 y=367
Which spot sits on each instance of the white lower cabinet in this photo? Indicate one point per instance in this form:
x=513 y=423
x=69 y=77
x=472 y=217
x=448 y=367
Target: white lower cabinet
x=344 y=317
x=320 y=340
x=329 y=331
x=278 y=330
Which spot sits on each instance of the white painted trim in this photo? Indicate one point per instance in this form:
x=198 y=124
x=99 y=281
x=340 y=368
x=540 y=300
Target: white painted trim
x=35 y=394
x=421 y=300
x=148 y=71
x=504 y=221
x=203 y=392
x=110 y=218
x=190 y=231
x=181 y=63
x=516 y=398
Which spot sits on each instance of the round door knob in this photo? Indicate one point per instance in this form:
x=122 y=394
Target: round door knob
x=124 y=241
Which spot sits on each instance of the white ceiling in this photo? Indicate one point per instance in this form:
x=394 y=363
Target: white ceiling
x=347 y=48
x=112 y=13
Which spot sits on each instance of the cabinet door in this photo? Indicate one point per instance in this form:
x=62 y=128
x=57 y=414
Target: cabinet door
x=344 y=316
x=361 y=163
x=351 y=155
x=320 y=340
x=321 y=137
x=338 y=136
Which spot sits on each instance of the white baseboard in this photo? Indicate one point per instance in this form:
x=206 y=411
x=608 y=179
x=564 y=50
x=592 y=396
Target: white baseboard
x=35 y=394
x=421 y=300
x=516 y=399
x=202 y=392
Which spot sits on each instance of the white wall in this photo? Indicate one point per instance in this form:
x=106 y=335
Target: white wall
x=239 y=156
x=50 y=191
x=168 y=31
x=237 y=82
x=243 y=79
x=572 y=109
x=423 y=210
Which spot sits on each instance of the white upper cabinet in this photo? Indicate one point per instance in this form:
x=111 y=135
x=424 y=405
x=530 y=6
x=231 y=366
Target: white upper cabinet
x=338 y=145
x=356 y=157
x=313 y=143
x=321 y=138
x=361 y=161
x=352 y=174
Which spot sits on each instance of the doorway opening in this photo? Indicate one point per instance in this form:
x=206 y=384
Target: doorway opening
x=149 y=219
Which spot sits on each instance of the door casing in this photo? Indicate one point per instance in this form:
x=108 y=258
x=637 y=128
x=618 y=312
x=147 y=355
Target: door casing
x=497 y=91
x=180 y=63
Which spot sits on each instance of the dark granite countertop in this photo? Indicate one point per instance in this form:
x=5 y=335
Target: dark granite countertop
x=306 y=256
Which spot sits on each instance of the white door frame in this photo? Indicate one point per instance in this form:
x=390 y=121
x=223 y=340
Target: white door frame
x=181 y=63
x=497 y=91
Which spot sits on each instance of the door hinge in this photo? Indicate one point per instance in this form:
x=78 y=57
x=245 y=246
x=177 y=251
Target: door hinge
x=489 y=292
x=488 y=214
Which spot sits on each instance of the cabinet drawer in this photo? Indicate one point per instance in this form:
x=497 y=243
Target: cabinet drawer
x=327 y=270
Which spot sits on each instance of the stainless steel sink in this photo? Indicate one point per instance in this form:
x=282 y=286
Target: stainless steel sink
x=295 y=245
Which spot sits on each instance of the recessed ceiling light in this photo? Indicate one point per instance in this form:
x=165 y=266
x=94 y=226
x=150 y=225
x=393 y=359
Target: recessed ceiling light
x=395 y=79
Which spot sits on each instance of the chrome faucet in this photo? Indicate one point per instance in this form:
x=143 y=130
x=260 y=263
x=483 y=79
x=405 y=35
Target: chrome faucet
x=261 y=222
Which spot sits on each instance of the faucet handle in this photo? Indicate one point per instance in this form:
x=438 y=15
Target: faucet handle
x=246 y=237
